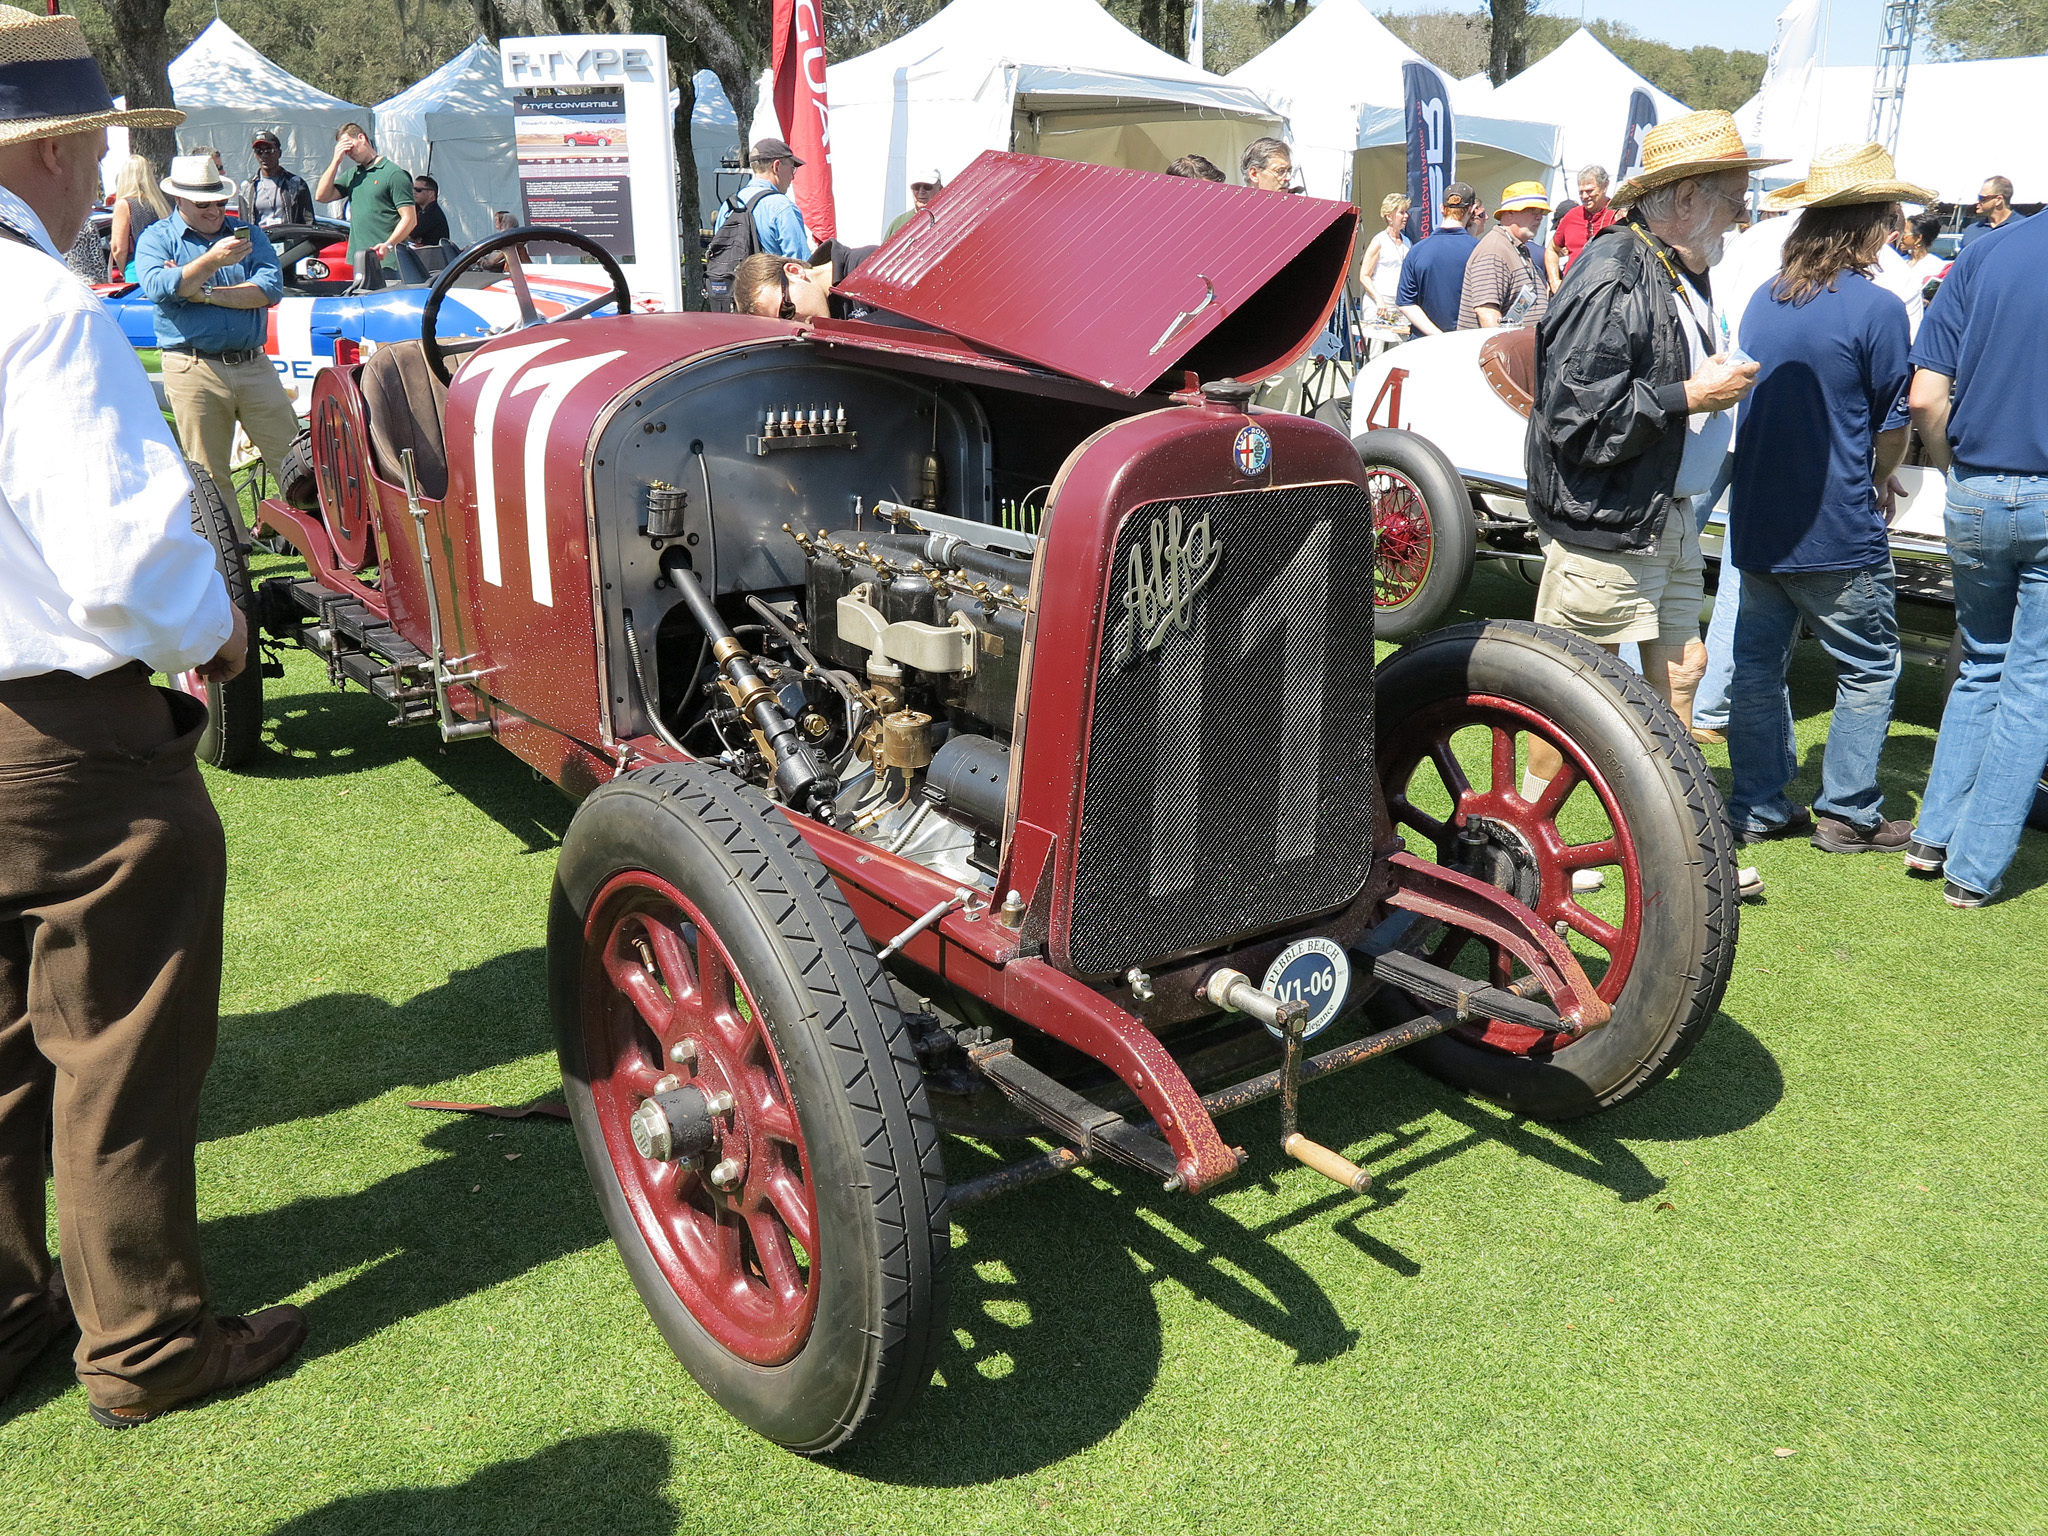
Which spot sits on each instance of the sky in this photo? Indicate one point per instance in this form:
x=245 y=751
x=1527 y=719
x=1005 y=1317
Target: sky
x=1853 y=30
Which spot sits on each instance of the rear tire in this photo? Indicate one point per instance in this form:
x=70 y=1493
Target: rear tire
x=234 y=709
x=1424 y=536
x=756 y=958
x=1641 y=805
x=297 y=484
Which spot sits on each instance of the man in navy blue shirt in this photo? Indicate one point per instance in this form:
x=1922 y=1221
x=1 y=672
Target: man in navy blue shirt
x=1985 y=337
x=1821 y=434
x=212 y=279
x=1994 y=211
x=1433 y=276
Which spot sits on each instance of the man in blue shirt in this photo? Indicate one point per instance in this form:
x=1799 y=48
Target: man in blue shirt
x=211 y=280
x=1985 y=337
x=766 y=196
x=1433 y=276
x=1994 y=211
x=1821 y=434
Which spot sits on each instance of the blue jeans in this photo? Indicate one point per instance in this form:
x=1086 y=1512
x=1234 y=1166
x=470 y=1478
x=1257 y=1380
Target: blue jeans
x=1710 y=699
x=1854 y=615
x=1994 y=732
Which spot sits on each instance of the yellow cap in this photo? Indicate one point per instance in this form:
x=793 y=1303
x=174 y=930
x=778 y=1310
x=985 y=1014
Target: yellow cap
x=1523 y=194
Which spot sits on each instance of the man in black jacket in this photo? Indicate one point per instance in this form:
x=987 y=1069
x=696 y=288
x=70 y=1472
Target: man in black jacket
x=1633 y=412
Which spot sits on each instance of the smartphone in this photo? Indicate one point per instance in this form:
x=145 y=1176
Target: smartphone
x=1739 y=358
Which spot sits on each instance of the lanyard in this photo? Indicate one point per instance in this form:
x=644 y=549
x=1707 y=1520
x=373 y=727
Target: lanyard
x=1702 y=312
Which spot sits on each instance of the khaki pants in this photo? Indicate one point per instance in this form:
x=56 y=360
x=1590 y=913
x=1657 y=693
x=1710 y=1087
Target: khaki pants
x=208 y=398
x=112 y=874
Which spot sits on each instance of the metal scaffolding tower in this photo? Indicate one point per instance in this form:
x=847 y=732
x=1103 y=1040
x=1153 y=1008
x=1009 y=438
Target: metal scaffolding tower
x=1894 y=53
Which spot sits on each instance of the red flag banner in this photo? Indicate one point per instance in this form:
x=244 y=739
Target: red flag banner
x=799 y=60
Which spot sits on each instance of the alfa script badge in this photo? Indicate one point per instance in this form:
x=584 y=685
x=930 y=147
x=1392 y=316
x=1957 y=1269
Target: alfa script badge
x=1167 y=568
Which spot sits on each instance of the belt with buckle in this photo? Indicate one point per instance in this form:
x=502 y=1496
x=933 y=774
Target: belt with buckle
x=232 y=359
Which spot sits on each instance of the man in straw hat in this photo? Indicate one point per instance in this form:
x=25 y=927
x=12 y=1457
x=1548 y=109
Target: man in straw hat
x=1985 y=339
x=112 y=864
x=1634 y=393
x=1822 y=431
x=212 y=279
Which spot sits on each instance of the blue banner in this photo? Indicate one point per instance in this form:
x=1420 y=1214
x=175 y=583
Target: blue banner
x=1642 y=117
x=1432 y=145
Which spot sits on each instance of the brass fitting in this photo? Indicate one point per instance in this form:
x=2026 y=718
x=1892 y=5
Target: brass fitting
x=906 y=740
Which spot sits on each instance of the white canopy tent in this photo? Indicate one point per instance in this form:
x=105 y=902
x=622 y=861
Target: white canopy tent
x=228 y=91
x=456 y=126
x=1582 y=87
x=992 y=74
x=1336 y=76
x=1959 y=124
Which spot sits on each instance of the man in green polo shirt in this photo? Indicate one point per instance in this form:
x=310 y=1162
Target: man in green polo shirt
x=380 y=207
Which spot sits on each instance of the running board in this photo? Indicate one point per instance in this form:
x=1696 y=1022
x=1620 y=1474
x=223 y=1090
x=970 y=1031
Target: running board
x=1089 y=1126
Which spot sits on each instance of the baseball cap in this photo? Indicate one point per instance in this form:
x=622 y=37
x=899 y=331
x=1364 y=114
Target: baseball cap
x=265 y=136
x=928 y=177
x=1519 y=196
x=1459 y=195
x=773 y=149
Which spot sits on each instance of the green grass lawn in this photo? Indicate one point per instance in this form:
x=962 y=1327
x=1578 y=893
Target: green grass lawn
x=1792 y=1289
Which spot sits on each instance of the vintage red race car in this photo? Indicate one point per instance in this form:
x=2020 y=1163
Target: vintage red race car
x=976 y=729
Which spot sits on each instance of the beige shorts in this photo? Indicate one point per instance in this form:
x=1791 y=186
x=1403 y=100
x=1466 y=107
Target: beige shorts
x=1613 y=596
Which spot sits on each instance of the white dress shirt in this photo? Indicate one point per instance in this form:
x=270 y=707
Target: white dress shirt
x=99 y=565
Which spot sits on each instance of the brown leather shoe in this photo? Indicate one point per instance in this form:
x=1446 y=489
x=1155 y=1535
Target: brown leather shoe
x=247 y=1347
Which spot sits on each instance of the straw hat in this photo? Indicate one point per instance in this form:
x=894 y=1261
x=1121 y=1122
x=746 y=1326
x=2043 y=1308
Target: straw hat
x=197 y=179
x=51 y=86
x=1523 y=195
x=1698 y=144
x=1846 y=174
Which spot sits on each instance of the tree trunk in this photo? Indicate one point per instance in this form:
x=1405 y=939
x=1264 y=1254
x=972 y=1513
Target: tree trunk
x=141 y=70
x=1510 y=50
x=685 y=80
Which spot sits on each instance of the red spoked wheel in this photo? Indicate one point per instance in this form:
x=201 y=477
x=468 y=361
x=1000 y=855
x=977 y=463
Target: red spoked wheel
x=1633 y=802
x=1520 y=845
x=1407 y=548
x=747 y=1097
x=734 y=1229
x=1424 y=537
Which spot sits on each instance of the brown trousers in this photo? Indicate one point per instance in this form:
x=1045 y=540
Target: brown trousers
x=112 y=875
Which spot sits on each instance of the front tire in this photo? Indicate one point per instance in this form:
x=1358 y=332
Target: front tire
x=234 y=709
x=806 y=1291
x=1635 y=801
x=1424 y=540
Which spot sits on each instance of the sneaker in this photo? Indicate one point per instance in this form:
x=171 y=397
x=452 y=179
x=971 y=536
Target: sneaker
x=1585 y=881
x=1924 y=858
x=247 y=1347
x=1832 y=836
x=1749 y=883
x=1799 y=824
x=1962 y=896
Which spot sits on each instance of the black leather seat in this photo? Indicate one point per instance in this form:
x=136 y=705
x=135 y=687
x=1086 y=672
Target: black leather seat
x=406 y=404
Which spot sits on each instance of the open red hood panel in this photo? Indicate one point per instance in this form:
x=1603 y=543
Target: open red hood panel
x=1116 y=277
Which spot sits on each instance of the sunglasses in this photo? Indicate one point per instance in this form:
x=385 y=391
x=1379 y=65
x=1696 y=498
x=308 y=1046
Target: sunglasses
x=788 y=309
x=264 y=149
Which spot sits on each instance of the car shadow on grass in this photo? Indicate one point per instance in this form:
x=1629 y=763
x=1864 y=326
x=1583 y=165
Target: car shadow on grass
x=505 y=1197
x=1055 y=1343
x=613 y=1482
x=345 y=1048
x=327 y=732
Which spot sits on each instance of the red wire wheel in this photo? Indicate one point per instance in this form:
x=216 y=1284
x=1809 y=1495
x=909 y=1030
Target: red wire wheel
x=1406 y=545
x=790 y=1244
x=1634 y=801
x=739 y=1255
x=1425 y=539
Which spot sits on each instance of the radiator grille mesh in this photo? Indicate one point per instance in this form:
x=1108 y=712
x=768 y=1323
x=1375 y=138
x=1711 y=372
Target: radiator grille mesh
x=1229 y=778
